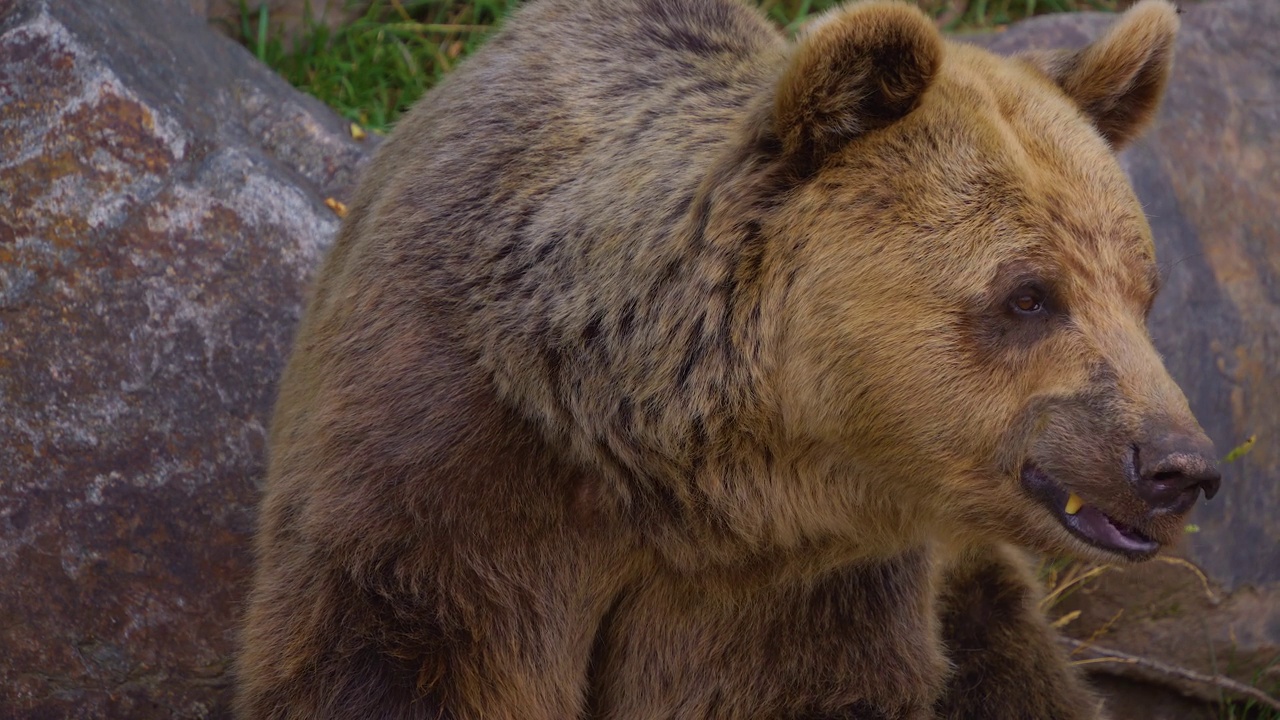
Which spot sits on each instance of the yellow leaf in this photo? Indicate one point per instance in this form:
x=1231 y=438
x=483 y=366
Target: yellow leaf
x=1241 y=450
x=338 y=208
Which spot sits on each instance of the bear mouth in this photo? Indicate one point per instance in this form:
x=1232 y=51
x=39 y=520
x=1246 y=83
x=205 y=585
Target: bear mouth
x=1087 y=522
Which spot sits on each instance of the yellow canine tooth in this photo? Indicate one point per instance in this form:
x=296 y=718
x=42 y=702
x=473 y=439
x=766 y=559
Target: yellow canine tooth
x=1074 y=503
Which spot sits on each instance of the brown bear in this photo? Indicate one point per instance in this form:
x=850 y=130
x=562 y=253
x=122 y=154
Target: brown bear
x=665 y=368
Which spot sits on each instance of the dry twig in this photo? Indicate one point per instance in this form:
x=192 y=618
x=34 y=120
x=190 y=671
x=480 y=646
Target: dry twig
x=1204 y=581
x=1073 y=577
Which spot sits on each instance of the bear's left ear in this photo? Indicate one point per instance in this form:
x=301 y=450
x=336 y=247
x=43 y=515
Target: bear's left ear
x=1119 y=79
x=855 y=69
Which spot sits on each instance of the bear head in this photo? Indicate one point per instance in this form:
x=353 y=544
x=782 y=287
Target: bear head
x=969 y=328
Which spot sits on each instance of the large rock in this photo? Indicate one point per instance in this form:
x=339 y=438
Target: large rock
x=1208 y=176
x=161 y=204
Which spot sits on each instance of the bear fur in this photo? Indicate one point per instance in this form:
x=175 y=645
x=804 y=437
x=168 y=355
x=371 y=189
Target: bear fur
x=667 y=368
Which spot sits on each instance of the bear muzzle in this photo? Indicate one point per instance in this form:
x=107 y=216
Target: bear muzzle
x=1165 y=474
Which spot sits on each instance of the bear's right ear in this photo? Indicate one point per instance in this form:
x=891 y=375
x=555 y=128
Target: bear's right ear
x=1119 y=79
x=855 y=69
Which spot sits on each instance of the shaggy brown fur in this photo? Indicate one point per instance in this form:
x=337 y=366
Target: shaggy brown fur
x=664 y=369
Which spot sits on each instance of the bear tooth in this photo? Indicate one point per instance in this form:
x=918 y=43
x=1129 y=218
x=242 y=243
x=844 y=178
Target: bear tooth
x=1074 y=503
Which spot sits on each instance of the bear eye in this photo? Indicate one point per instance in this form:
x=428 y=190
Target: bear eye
x=1027 y=300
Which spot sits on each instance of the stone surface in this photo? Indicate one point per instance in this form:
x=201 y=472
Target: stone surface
x=161 y=204
x=1208 y=176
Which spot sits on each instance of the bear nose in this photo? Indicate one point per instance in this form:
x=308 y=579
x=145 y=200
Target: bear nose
x=1173 y=467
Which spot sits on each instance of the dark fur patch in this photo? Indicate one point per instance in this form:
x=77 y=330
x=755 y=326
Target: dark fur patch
x=681 y=39
x=695 y=350
x=860 y=710
x=627 y=321
x=591 y=333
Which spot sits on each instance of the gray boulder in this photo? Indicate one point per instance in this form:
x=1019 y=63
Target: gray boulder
x=161 y=207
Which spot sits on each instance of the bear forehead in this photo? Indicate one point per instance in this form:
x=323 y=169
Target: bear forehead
x=999 y=162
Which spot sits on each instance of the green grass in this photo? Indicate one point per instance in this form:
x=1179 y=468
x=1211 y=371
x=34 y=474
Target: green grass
x=375 y=67
x=1263 y=679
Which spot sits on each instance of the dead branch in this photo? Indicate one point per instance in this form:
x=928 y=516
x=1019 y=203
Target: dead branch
x=1188 y=682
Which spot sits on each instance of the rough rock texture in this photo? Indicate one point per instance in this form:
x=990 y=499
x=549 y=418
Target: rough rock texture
x=1208 y=177
x=161 y=204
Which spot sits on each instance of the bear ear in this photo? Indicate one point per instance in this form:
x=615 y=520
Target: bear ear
x=1119 y=79
x=855 y=69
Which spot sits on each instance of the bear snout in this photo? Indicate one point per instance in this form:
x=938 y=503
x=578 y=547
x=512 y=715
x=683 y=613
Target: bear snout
x=1117 y=482
x=1172 y=469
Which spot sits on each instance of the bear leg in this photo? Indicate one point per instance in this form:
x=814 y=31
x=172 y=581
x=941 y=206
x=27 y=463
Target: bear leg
x=1008 y=664
x=318 y=646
